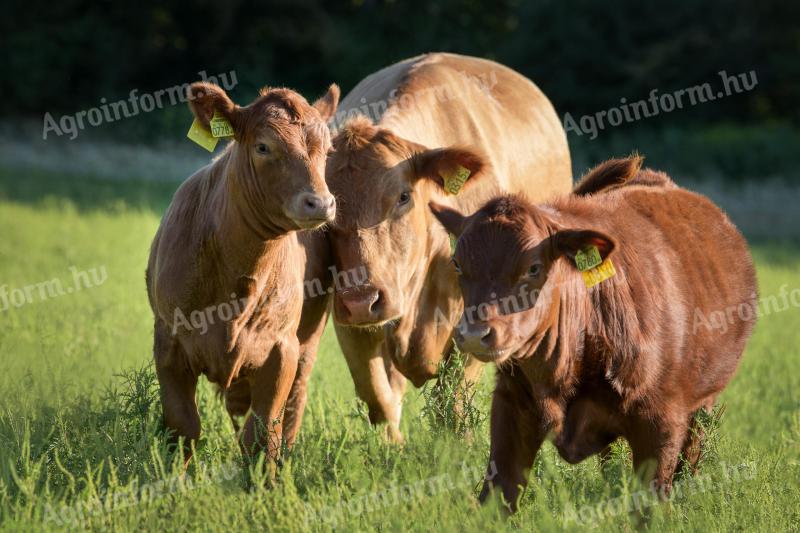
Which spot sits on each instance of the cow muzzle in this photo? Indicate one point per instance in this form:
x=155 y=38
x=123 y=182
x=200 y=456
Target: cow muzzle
x=364 y=305
x=311 y=210
x=481 y=340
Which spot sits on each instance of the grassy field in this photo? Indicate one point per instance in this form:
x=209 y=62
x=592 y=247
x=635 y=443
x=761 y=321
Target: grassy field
x=80 y=446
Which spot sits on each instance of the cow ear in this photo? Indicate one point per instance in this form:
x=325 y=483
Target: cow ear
x=327 y=104
x=610 y=174
x=450 y=168
x=205 y=99
x=570 y=242
x=452 y=220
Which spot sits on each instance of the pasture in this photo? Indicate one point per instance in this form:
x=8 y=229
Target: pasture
x=81 y=446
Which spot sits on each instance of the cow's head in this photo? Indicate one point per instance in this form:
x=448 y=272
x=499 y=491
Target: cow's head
x=276 y=165
x=514 y=261
x=383 y=184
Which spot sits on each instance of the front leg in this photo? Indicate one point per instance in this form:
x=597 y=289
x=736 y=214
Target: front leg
x=270 y=388
x=377 y=382
x=517 y=433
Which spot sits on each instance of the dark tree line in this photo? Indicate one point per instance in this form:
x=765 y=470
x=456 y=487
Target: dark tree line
x=586 y=55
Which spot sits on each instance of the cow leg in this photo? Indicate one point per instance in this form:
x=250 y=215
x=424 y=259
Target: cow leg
x=397 y=381
x=178 y=385
x=270 y=388
x=472 y=374
x=377 y=382
x=237 y=402
x=312 y=326
x=516 y=436
x=693 y=447
x=663 y=444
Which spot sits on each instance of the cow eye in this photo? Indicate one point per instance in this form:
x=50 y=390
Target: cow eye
x=405 y=197
x=455 y=265
x=262 y=148
x=535 y=270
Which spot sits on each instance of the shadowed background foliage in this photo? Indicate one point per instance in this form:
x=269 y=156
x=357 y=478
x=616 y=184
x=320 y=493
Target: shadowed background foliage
x=63 y=56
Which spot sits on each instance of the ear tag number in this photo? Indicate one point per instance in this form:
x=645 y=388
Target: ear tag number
x=588 y=259
x=593 y=269
x=454 y=182
x=202 y=136
x=220 y=127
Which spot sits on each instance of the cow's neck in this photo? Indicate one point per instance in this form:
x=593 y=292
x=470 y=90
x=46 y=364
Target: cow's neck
x=425 y=330
x=554 y=353
x=250 y=245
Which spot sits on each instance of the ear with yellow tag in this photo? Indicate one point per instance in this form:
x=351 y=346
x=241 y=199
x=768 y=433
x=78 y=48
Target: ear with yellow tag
x=214 y=113
x=590 y=250
x=451 y=169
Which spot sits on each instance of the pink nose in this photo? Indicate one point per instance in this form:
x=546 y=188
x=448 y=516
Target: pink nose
x=360 y=305
x=475 y=338
x=317 y=207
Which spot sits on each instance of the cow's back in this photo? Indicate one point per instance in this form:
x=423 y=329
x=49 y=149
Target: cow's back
x=174 y=253
x=702 y=267
x=441 y=100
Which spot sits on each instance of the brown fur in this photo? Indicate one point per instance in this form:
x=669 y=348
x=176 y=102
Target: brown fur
x=624 y=358
x=230 y=235
x=505 y=132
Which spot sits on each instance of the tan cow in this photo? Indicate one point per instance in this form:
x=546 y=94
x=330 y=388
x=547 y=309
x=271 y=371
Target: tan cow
x=226 y=256
x=430 y=117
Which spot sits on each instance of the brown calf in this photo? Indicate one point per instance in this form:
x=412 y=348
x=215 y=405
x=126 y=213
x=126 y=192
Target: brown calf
x=227 y=255
x=623 y=358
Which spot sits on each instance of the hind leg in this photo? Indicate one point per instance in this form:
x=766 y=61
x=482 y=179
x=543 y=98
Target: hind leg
x=693 y=447
x=178 y=386
x=658 y=445
x=309 y=334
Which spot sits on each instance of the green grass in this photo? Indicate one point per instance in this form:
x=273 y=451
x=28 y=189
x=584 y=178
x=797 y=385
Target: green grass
x=79 y=413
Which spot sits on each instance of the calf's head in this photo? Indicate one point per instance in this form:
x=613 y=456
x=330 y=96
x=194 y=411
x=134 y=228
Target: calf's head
x=515 y=261
x=276 y=170
x=383 y=229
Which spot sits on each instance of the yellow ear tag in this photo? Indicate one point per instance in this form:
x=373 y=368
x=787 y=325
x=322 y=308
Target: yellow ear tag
x=593 y=269
x=220 y=127
x=453 y=241
x=454 y=182
x=202 y=136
